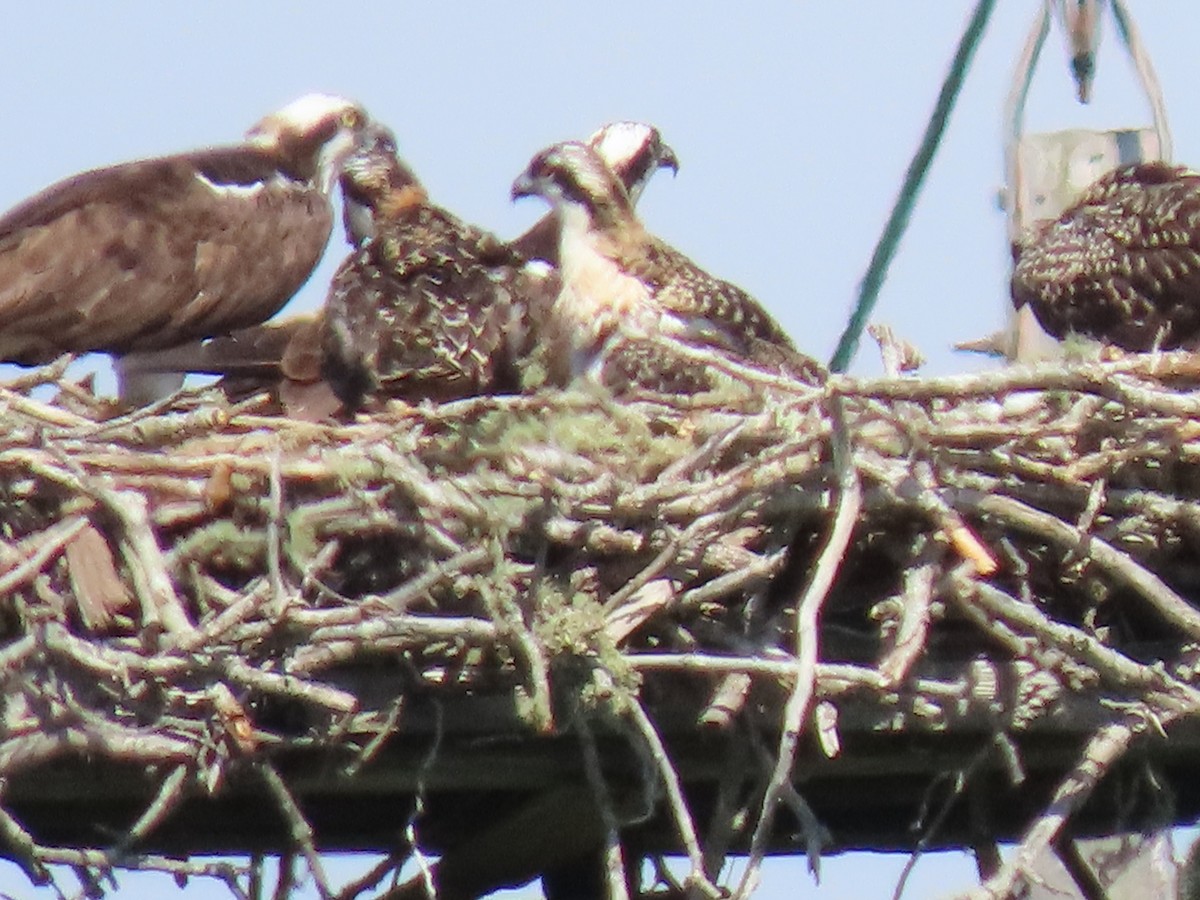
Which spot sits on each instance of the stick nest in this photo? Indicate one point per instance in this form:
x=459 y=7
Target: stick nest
x=175 y=577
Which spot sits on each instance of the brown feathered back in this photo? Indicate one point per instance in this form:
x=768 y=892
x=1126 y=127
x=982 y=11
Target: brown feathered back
x=154 y=253
x=427 y=307
x=1122 y=264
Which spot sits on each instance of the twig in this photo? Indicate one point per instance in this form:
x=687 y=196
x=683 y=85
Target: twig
x=275 y=534
x=299 y=829
x=1173 y=608
x=806 y=643
x=684 y=826
x=1106 y=746
x=614 y=861
x=170 y=795
x=50 y=543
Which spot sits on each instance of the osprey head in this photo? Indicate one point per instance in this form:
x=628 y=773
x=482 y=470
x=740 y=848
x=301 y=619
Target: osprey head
x=311 y=136
x=634 y=151
x=376 y=183
x=572 y=176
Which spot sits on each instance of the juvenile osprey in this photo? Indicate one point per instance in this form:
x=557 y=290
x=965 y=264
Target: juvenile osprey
x=287 y=352
x=634 y=151
x=621 y=286
x=427 y=307
x=158 y=252
x=1121 y=265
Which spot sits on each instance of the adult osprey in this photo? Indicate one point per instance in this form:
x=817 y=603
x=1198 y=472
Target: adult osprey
x=159 y=252
x=1122 y=264
x=623 y=289
x=428 y=306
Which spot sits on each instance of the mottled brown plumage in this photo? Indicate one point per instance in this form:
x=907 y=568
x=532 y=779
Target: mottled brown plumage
x=1122 y=264
x=621 y=285
x=159 y=252
x=428 y=306
x=285 y=354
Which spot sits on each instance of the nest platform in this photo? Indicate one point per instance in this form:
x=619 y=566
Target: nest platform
x=517 y=632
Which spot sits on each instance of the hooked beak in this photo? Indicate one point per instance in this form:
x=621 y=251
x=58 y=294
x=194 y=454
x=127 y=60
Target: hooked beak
x=525 y=186
x=668 y=160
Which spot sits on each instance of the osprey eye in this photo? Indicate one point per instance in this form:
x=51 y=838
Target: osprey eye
x=352 y=119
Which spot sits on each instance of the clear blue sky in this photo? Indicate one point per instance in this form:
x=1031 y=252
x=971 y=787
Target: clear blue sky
x=794 y=121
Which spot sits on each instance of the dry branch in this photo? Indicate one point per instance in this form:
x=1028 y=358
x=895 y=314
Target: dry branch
x=982 y=560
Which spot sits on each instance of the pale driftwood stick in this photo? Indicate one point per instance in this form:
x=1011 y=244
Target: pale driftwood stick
x=90 y=860
x=417 y=588
x=160 y=603
x=279 y=593
x=651 y=572
x=232 y=616
x=649 y=600
x=48 y=373
x=909 y=642
x=507 y=615
x=347 y=635
x=15 y=655
x=41 y=413
x=1093 y=377
x=21 y=752
x=299 y=829
x=749 y=578
x=746 y=374
x=806 y=648
x=37 y=554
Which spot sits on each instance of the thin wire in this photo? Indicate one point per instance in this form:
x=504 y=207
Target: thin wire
x=897 y=223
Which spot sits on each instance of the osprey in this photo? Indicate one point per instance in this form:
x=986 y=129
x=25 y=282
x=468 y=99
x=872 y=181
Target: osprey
x=623 y=288
x=288 y=352
x=428 y=306
x=634 y=151
x=153 y=253
x=1122 y=264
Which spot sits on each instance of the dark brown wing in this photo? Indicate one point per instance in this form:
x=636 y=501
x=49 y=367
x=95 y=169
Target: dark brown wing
x=284 y=347
x=713 y=311
x=155 y=253
x=425 y=309
x=1122 y=265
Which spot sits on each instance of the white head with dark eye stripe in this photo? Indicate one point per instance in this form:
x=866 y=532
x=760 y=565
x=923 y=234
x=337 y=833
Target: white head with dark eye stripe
x=311 y=136
x=578 y=184
x=634 y=151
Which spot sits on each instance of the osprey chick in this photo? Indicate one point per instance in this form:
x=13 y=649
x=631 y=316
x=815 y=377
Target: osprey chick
x=622 y=288
x=1122 y=264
